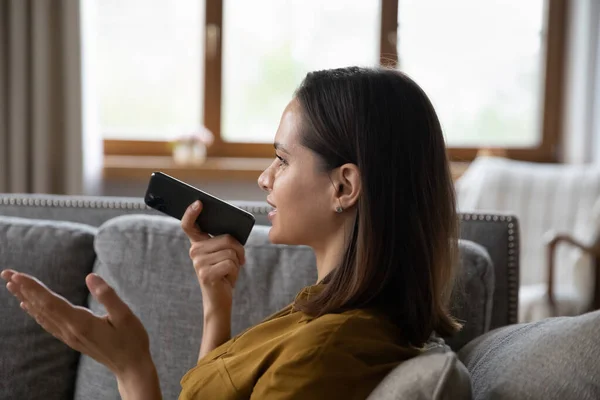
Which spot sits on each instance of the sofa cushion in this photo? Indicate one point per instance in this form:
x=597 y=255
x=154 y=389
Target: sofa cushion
x=33 y=364
x=436 y=374
x=145 y=258
x=556 y=358
x=473 y=296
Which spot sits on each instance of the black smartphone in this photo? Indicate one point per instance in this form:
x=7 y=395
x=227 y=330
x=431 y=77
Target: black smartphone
x=172 y=197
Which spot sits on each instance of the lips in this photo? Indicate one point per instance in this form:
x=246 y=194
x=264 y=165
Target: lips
x=273 y=212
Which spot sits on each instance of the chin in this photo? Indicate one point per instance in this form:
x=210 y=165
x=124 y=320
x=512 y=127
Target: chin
x=275 y=237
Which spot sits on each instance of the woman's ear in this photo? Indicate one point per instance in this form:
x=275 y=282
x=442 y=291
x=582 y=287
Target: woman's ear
x=347 y=182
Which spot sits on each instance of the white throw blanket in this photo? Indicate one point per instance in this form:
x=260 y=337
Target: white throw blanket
x=547 y=198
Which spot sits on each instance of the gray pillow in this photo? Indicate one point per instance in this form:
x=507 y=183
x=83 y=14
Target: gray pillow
x=556 y=358
x=33 y=364
x=436 y=374
x=145 y=258
x=473 y=294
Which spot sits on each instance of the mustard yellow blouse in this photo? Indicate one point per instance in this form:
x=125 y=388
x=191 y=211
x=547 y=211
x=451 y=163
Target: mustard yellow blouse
x=293 y=356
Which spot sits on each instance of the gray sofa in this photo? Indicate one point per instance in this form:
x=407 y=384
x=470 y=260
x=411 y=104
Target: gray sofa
x=144 y=255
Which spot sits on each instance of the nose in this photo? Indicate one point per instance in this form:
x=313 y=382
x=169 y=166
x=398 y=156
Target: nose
x=265 y=180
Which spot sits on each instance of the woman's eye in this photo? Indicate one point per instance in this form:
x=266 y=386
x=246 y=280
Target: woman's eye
x=281 y=161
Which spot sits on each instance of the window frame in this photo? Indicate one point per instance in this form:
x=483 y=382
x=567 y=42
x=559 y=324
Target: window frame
x=551 y=102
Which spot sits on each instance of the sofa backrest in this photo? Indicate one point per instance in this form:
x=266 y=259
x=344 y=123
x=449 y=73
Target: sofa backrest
x=145 y=258
x=95 y=210
x=497 y=233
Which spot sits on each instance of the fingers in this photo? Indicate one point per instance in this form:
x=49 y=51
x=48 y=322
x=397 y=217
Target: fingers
x=209 y=266
x=188 y=223
x=116 y=308
x=12 y=287
x=226 y=269
x=210 y=256
x=202 y=259
x=47 y=323
x=7 y=274
x=52 y=312
x=15 y=290
x=217 y=244
x=38 y=299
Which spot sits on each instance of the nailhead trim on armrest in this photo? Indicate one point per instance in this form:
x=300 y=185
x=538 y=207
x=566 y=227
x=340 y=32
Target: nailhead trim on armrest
x=512 y=248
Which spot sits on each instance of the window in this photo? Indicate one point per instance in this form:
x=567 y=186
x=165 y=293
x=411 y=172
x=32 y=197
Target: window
x=149 y=67
x=485 y=80
x=492 y=69
x=270 y=45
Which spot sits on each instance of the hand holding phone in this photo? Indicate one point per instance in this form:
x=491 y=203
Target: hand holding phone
x=216 y=260
x=172 y=197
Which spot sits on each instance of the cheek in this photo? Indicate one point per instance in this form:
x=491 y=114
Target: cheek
x=301 y=210
x=295 y=191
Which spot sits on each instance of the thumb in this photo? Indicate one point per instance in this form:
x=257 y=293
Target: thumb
x=189 y=225
x=106 y=295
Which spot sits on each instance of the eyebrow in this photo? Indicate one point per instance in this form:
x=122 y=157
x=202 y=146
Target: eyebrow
x=279 y=146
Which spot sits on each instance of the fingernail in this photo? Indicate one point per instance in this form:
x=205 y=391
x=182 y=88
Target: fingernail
x=23 y=306
x=95 y=282
x=195 y=205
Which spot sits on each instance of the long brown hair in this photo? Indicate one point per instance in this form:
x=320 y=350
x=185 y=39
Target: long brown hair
x=401 y=254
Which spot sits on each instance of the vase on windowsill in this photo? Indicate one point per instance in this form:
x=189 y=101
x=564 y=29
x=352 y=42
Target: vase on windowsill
x=190 y=149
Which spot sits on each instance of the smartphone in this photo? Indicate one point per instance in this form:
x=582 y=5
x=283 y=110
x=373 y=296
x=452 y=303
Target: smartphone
x=172 y=197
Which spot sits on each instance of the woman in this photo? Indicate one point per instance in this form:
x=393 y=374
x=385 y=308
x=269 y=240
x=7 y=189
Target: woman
x=361 y=176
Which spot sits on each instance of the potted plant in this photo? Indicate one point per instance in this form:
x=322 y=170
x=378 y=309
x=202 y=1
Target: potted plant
x=190 y=148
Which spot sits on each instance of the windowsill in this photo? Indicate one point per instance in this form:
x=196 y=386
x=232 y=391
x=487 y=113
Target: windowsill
x=214 y=168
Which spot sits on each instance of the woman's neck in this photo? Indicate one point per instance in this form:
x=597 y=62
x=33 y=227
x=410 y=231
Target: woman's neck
x=329 y=252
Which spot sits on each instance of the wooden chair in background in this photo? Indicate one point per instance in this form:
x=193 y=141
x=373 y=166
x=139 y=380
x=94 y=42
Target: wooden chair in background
x=558 y=207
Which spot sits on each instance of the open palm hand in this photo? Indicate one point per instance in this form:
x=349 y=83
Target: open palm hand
x=118 y=340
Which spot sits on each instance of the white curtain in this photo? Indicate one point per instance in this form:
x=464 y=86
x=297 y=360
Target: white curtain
x=43 y=146
x=580 y=106
x=596 y=104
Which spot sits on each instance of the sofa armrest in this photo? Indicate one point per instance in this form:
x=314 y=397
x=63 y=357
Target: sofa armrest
x=593 y=250
x=499 y=235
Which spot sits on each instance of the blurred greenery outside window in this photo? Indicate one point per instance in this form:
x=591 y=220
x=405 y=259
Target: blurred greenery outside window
x=482 y=63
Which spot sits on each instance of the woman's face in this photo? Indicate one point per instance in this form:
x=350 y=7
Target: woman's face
x=300 y=192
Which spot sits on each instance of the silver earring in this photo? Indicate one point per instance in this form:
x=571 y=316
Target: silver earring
x=339 y=209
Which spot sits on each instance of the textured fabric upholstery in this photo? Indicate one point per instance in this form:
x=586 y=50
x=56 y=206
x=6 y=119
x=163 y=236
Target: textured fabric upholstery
x=94 y=210
x=499 y=235
x=436 y=374
x=553 y=359
x=146 y=259
x=474 y=294
x=33 y=364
